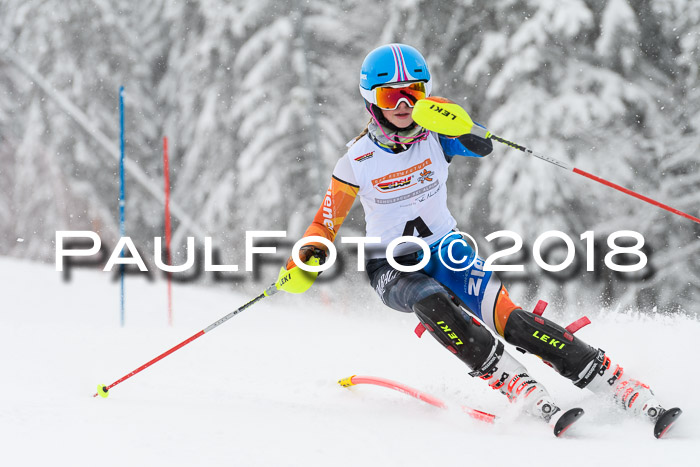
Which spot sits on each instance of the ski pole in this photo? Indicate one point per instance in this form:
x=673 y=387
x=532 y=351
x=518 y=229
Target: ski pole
x=575 y=170
x=103 y=390
x=445 y=117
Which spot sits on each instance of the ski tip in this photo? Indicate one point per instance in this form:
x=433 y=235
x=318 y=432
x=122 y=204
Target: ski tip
x=566 y=420
x=666 y=421
x=347 y=382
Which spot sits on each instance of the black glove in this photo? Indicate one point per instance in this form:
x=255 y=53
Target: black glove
x=476 y=144
x=307 y=252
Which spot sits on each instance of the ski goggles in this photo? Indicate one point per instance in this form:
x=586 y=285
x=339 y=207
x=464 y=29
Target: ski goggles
x=389 y=97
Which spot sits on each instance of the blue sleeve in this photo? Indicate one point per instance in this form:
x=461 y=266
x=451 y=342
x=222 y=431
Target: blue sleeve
x=465 y=145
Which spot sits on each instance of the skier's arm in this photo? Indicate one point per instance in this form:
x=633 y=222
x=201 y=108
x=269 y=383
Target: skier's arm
x=466 y=145
x=329 y=217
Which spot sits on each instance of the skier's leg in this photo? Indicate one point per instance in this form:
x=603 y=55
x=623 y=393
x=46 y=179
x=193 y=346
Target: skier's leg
x=460 y=333
x=472 y=343
x=574 y=359
x=482 y=293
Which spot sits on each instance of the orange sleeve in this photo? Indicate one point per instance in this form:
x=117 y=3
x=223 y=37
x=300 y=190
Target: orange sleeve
x=330 y=216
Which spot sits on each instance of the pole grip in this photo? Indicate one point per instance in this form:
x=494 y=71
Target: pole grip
x=476 y=130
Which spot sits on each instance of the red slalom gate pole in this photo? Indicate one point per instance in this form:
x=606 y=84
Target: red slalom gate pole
x=573 y=169
x=166 y=176
x=432 y=400
x=103 y=390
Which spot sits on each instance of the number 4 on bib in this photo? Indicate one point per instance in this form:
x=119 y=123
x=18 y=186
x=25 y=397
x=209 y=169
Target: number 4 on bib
x=417 y=224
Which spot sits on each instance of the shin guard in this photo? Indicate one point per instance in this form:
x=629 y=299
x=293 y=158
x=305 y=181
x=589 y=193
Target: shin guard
x=459 y=333
x=568 y=355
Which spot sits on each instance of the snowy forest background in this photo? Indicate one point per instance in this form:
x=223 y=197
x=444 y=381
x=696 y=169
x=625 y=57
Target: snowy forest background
x=258 y=98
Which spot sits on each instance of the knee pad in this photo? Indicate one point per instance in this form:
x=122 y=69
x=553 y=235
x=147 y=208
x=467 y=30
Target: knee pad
x=568 y=355
x=461 y=334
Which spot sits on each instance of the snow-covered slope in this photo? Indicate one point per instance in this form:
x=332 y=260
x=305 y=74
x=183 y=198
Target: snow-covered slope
x=261 y=389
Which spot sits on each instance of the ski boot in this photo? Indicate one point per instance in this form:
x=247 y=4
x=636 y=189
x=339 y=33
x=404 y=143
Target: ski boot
x=510 y=377
x=634 y=397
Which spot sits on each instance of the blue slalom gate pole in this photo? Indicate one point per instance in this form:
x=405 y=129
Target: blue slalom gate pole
x=122 y=199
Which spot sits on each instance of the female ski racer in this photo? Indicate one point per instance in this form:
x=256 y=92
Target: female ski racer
x=399 y=171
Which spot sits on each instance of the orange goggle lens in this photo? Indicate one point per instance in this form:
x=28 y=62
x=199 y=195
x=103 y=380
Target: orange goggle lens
x=389 y=98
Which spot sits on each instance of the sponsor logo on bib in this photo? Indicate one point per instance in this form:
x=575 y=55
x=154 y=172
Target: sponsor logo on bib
x=364 y=157
x=395 y=184
x=404 y=178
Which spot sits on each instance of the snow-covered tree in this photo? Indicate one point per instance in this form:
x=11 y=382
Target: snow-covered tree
x=678 y=239
x=296 y=81
x=258 y=99
x=63 y=178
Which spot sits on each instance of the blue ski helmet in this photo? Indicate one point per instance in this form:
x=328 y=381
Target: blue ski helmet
x=393 y=63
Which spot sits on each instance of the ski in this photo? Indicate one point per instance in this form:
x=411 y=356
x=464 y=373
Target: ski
x=567 y=419
x=559 y=424
x=432 y=400
x=666 y=421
